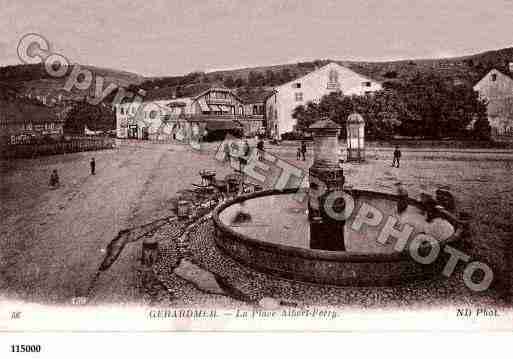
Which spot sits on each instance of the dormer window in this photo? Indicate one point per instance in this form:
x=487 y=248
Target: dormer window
x=493 y=77
x=366 y=84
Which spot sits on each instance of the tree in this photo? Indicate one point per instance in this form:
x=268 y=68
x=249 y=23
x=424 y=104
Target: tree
x=390 y=74
x=239 y=82
x=252 y=79
x=482 y=129
x=285 y=75
x=95 y=117
x=270 y=78
x=228 y=82
x=437 y=107
x=383 y=112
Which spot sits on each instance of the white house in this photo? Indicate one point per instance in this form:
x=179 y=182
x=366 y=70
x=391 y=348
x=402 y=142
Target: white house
x=312 y=87
x=497 y=89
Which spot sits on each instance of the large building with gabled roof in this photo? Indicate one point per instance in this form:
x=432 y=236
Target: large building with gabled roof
x=312 y=87
x=497 y=89
x=161 y=115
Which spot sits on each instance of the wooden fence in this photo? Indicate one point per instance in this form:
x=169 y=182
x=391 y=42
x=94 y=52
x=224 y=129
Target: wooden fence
x=75 y=144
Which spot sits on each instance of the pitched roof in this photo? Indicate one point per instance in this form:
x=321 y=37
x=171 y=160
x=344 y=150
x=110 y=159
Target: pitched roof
x=177 y=104
x=321 y=124
x=355 y=118
x=219 y=89
x=322 y=68
x=258 y=95
x=171 y=92
x=507 y=76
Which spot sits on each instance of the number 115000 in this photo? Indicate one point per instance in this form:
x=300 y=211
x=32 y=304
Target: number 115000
x=15 y=348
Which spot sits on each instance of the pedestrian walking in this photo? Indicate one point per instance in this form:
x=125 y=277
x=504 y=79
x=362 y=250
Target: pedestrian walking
x=303 y=150
x=397 y=157
x=93 y=166
x=402 y=202
x=260 y=148
x=54 y=179
x=298 y=153
x=226 y=150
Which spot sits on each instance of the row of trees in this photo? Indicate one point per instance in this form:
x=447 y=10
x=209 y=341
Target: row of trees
x=427 y=107
x=260 y=79
x=95 y=117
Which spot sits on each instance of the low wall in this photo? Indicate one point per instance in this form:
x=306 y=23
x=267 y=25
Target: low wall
x=44 y=149
x=326 y=267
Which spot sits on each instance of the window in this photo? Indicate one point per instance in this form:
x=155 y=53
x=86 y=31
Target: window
x=122 y=110
x=296 y=85
x=153 y=114
x=494 y=77
x=298 y=96
x=366 y=84
x=333 y=76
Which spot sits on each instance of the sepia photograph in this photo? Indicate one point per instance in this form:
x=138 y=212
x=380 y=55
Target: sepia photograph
x=270 y=166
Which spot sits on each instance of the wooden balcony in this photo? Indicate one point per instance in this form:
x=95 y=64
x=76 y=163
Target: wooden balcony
x=205 y=117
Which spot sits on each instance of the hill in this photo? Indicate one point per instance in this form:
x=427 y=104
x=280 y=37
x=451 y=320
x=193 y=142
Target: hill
x=465 y=70
x=34 y=81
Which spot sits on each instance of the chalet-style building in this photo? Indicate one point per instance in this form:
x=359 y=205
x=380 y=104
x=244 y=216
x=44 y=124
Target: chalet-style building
x=497 y=89
x=23 y=121
x=163 y=116
x=254 y=121
x=312 y=87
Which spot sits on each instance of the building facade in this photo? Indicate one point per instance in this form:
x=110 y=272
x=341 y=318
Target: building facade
x=22 y=121
x=497 y=89
x=164 y=117
x=254 y=121
x=312 y=87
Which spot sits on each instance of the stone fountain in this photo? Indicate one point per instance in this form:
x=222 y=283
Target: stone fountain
x=302 y=241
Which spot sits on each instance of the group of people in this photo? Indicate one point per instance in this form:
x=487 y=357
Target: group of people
x=301 y=151
x=54 y=177
x=244 y=150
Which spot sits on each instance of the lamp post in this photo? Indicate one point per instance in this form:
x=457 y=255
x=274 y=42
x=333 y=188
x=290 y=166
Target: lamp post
x=355 y=137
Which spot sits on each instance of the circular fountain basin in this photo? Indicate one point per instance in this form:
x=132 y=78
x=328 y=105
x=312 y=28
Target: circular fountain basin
x=275 y=238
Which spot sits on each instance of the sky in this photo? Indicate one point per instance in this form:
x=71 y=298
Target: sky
x=159 y=38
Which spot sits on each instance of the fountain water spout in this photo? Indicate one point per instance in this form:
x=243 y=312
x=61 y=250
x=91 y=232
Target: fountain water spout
x=325 y=176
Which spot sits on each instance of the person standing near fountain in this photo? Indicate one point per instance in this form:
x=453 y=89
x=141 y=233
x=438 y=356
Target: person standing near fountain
x=303 y=150
x=397 y=157
x=402 y=203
